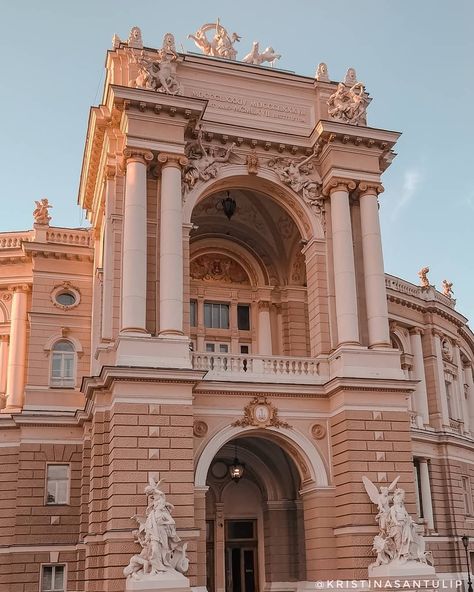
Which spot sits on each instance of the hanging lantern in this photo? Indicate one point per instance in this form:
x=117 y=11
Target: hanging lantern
x=236 y=470
x=229 y=206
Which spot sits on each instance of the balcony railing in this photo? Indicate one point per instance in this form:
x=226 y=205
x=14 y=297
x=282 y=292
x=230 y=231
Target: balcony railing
x=249 y=368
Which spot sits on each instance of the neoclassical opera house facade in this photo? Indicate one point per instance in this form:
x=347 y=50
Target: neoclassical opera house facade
x=227 y=311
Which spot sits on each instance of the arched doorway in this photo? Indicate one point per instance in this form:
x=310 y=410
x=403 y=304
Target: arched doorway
x=254 y=525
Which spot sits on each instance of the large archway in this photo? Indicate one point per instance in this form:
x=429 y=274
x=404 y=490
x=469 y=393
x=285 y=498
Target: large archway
x=254 y=525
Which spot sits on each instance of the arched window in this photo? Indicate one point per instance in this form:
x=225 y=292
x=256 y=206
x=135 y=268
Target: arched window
x=63 y=364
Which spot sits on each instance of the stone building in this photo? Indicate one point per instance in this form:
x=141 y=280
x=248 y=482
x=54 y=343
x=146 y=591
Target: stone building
x=227 y=310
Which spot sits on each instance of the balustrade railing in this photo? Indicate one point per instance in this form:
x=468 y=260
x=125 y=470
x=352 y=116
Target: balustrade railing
x=247 y=367
x=13 y=240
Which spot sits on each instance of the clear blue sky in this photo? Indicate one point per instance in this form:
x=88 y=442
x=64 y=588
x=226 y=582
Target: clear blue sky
x=415 y=57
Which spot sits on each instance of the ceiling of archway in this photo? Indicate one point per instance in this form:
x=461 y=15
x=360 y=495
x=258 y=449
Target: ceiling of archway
x=258 y=222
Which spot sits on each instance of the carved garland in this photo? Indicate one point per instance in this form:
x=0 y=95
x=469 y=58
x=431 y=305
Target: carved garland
x=261 y=414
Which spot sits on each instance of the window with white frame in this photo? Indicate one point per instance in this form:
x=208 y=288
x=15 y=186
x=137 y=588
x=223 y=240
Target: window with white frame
x=63 y=364
x=53 y=578
x=467 y=495
x=216 y=315
x=57 y=484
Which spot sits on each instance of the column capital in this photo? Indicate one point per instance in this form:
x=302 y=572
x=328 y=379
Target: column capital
x=137 y=155
x=416 y=331
x=263 y=305
x=369 y=188
x=338 y=184
x=467 y=363
x=25 y=288
x=4 y=338
x=167 y=159
x=110 y=171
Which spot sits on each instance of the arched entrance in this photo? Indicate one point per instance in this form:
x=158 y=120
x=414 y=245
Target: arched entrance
x=254 y=525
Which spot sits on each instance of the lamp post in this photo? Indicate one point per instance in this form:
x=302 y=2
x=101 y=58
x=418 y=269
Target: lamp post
x=465 y=542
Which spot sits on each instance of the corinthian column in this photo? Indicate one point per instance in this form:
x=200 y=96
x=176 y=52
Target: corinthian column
x=171 y=246
x=343 y=263
x=374 y=276
x=134 y=241
x=17 y=351
x=420 y=394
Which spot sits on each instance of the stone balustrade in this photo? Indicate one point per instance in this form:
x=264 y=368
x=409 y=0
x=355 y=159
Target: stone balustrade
x=80 y=237
x=428 y=294
x=248 y=368
x=13 y=240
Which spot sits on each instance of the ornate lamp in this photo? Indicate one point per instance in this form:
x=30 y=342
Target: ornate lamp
x=465 y=542
x=236 y=469
x=228 y=205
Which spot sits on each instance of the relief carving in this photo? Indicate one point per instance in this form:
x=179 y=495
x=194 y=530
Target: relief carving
x=204 y=161
x=218 y=268
x=260 y=413
x=302 y=177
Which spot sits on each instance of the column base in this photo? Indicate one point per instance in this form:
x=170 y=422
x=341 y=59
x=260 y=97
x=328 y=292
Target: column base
x=153 y=352
x=402 y=569
x=160 y=582
x=356 y=361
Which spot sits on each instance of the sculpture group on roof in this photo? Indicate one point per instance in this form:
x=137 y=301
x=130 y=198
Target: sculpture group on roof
x=158 y=73
x=349 y=103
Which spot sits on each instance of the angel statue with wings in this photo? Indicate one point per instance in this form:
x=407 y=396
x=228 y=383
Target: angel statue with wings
x=162 y=549
x=398 y=540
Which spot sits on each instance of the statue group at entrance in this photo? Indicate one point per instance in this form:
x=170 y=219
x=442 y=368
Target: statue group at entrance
x=163 y=553
x=398 y=545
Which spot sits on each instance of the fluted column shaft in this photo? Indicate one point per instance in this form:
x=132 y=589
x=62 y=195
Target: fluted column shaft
x=134 y=263
x=17 y=350
x=426 y=493
x=264 y=329
x=374 y=276
x=420 y=394
x=171 y=246
x=108 y=256
x=343 y=265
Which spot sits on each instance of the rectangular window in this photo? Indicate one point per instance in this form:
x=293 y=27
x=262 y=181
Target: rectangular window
x=243 y=317
x=193 y=313
x=222 y=348
x=53 y=578
x=216 y=315
x=417 y=477
x=244 y=349
x=57 y=484
x=62 y=369
x=467 y=495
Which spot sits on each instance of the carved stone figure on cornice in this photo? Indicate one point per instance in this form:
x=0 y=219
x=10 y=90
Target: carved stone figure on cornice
x=423 y=275
x=204 y=161
x=322 y=74
x=252 y=163
x=222 y=44
x=41 y=211
x=135 y=38
x=158 y=74
x=116 y=41
x=257 y=58
x=296 y=174
x=447 y=288
x=351 y=77
x=349 y=104
x=217 y=268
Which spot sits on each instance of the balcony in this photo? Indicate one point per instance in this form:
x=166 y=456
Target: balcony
x=248 y=368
